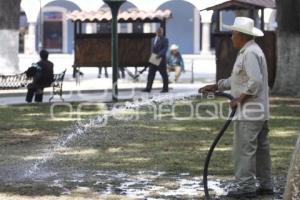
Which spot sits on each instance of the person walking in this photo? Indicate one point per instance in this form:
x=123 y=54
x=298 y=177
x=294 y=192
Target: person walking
x=160 y=48
x=249 y=86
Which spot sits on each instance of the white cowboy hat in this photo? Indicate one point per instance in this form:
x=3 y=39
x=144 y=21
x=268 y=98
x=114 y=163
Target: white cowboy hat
x=174 y=47
x=244 y=25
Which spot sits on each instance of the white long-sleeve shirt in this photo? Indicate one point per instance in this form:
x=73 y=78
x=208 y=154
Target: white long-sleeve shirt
x=249 y=76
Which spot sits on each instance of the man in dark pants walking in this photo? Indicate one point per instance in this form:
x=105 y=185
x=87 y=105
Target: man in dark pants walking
x=160 y=48
x=42 y=78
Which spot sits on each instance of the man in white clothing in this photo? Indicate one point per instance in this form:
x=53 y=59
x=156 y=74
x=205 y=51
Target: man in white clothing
x=249 y=87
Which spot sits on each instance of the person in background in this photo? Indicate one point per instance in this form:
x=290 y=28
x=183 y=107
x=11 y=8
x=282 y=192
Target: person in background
x=41 y=79
x=100 y=72
x=175 y=62
x=160 y=48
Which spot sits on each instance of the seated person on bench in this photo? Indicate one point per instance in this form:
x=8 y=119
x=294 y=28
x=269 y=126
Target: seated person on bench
x=175 y=62
x=41 y=79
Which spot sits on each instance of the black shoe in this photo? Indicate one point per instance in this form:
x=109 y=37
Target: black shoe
x=241 y=194
x=164 y=91
x=146 y=90
x=262 y=191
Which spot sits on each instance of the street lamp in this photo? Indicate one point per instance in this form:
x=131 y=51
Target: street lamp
x=114 y=7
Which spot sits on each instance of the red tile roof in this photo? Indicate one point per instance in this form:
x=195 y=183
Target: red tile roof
x=104 y=15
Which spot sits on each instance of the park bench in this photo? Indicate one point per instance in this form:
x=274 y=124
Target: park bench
x=18 y=81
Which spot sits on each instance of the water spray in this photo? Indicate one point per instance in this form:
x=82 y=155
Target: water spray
x=80 y=129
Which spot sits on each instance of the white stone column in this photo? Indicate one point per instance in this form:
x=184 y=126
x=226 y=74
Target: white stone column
x=270 y=19
x=206 y=21
x=89 y=28
x=196 y=31
x=154 y=27
x=147 y=28
x=30 y=39
x=129 y=28
x=119 y=28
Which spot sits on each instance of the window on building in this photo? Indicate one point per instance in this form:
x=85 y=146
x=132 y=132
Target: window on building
x=213 y=29
x=23 y=30
x=53 y=31
x=138 y=27
x=123 y=28
x=104 y=28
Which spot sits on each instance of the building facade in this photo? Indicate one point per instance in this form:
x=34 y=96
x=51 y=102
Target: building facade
x=43 y=23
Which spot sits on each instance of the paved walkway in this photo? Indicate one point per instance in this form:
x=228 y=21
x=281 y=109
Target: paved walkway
x=92 y=89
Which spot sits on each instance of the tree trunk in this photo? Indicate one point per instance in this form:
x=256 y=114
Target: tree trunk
x=287 y=80
x=288 y=76
x=292 y=190
x=9 y=36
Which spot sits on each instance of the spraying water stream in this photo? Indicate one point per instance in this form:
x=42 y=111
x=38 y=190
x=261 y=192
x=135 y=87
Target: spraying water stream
x=81 y=128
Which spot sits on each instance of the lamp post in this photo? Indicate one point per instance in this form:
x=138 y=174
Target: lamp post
x=114 y=6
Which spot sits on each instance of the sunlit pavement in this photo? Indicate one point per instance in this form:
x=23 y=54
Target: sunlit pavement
x=92 y=89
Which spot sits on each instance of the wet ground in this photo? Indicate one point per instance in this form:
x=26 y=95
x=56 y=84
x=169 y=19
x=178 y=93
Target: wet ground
x=67 y=182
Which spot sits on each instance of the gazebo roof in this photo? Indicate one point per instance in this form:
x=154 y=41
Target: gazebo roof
x=243 y=4
x=104 y=15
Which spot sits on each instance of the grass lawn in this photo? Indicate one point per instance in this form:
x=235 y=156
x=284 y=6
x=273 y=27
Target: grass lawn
x=145 y=144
